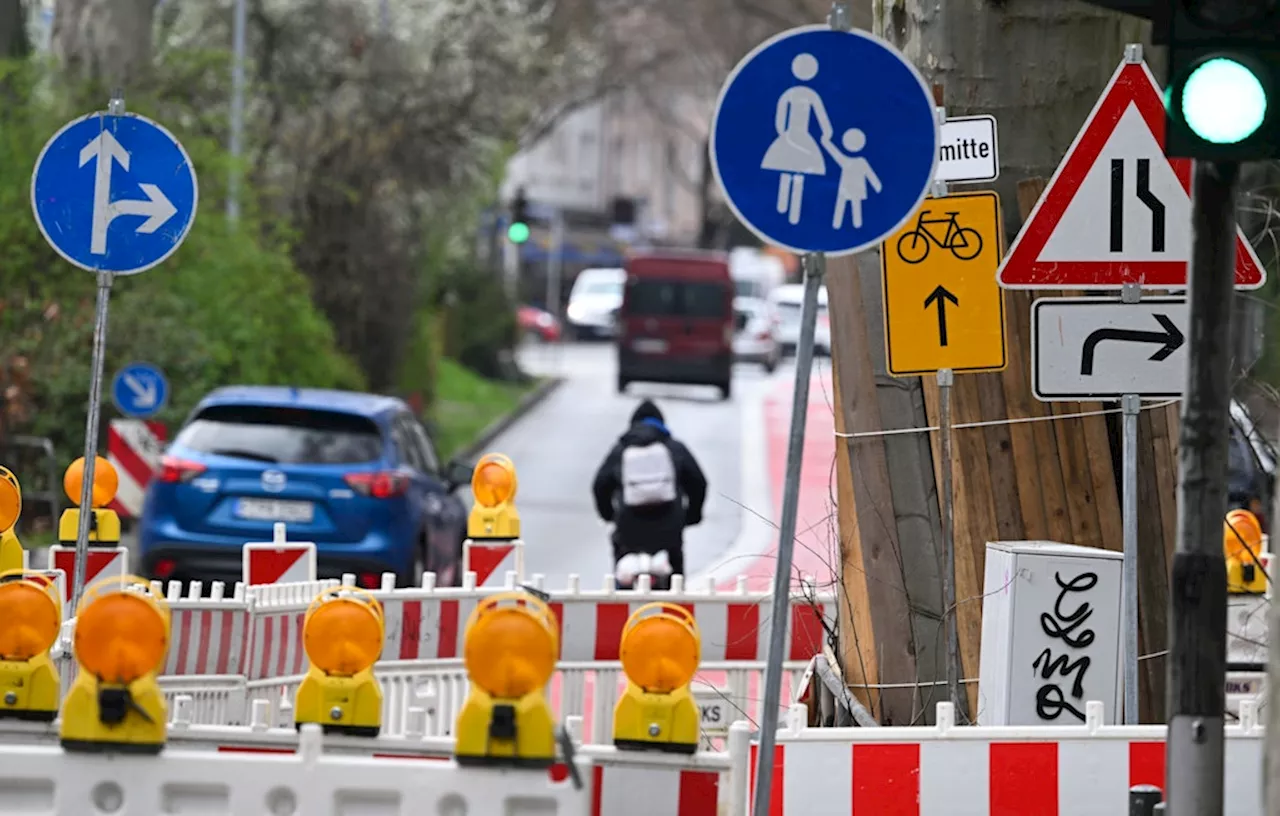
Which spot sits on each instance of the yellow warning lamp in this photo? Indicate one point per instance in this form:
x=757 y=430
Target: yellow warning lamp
x=104 y=527
x=493 y=483
x=510 y=651
x=342 y=635
x=1242 y=547
x=121 y=638
x=30 y=619
x=661 y=649
x=10 y=510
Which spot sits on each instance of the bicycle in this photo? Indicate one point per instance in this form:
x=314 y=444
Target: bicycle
x=964 y=242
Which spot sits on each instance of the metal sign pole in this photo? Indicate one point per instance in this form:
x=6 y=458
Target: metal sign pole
x=815 y=269
x=946 y=379
x=114 y=108
x=105 y=279
x=1131 y=404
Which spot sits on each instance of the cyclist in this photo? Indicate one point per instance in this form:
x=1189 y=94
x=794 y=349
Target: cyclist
x=651 y=488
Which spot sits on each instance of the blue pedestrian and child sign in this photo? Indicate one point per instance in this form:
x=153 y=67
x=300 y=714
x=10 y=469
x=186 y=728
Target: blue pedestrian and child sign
x=824 y=140
x=114 y=193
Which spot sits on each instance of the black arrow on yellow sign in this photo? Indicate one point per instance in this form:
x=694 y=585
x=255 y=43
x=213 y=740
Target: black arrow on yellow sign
x=940 y=296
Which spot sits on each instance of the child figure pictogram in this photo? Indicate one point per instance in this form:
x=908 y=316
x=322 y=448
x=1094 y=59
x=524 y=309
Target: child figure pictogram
x=855 y=175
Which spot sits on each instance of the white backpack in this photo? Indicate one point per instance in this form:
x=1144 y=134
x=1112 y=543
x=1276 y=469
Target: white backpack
x=648 y=475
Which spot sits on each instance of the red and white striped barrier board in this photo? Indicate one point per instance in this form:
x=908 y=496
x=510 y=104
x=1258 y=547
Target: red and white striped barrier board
x=639 y=791
x=492 y=560
x=993 y=771
x=207 y=635
x=134 y=448
x=279 y=561
x=103 y=562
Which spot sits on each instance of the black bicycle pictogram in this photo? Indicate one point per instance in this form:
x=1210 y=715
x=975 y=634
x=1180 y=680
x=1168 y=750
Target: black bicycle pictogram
x=964 y=242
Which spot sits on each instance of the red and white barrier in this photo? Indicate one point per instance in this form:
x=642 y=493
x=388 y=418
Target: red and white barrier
x=429 y=622
x=989 y=771
x=278 y=561
x=492 y=560
x=103 y=562
x=207 y=635
x=134 y=448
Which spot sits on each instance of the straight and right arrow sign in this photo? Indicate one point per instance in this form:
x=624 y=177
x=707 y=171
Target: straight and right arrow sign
x=1104 y=348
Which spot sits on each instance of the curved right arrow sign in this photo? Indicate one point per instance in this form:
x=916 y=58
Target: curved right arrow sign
x=1170 y=340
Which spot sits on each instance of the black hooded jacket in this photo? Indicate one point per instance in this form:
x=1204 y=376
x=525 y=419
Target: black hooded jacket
x=661 y=527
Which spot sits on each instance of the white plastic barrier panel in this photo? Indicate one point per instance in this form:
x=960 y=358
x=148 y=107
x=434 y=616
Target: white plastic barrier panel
x=46 y=780
x=491 y=560
x=278 y=561
x=1075 y=770
x=207 y=635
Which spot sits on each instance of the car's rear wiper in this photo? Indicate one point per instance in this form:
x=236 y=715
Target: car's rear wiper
x=241 y=454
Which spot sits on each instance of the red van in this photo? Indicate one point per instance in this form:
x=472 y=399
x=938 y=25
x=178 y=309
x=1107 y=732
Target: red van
x=675 y=324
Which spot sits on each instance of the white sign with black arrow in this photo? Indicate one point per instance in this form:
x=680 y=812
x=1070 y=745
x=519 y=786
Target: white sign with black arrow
x=1104 y=348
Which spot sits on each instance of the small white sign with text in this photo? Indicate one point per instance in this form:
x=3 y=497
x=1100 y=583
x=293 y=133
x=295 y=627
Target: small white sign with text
x=969 y=150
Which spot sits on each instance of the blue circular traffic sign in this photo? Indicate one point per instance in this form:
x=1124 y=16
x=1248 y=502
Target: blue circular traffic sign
x=140 y=390
x=114 y=193
x=824 y=140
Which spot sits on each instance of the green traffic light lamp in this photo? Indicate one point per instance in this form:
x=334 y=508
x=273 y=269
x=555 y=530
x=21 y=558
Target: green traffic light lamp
x=1222 y=101
x=518 y=232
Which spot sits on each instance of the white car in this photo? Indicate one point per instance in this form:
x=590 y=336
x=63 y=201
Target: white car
x=755 y=329
x=594 y=302
x=786 y=301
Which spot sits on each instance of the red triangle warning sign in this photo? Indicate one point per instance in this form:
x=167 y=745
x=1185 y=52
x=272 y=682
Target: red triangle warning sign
x=483 y=559
x=1117 y=210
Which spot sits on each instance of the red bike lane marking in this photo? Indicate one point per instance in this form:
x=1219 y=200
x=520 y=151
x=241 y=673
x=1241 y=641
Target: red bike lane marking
x=817 y=548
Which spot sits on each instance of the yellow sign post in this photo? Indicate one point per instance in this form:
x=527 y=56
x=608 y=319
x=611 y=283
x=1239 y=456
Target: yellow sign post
x=942 y=306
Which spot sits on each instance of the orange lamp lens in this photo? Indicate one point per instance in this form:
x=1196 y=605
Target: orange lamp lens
x=105 y=482
x=120 y=637
x=493 y=484
x=1241 y=528
x=343 y=636
x=510 y=652
x=29 y=620
x=10 y=500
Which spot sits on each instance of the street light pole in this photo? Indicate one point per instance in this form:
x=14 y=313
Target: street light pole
x=1198 y=589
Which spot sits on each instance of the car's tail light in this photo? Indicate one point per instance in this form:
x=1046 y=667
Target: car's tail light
x=381 y=485
x=370 y=580
x=164 y=567
x=174 y=470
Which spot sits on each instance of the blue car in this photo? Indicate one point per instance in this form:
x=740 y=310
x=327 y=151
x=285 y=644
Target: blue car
x=355 y=473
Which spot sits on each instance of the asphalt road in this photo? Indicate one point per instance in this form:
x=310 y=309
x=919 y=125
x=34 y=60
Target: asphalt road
x=558 y=446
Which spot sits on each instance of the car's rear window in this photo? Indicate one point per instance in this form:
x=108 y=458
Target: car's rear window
x=658 y=298
x=282 y=435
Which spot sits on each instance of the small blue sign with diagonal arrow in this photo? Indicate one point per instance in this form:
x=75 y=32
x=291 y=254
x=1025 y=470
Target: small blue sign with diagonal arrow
x=140 y=390
x=114 y=193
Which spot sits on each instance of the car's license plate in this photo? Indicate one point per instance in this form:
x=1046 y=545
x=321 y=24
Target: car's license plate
x=650 y=346
x=275 y=510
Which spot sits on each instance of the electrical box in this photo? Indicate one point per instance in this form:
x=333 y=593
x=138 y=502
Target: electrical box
x=1052 y=634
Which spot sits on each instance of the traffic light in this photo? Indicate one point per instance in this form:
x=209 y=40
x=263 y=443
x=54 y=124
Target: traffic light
x=1223 y=95
x=518 y=232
